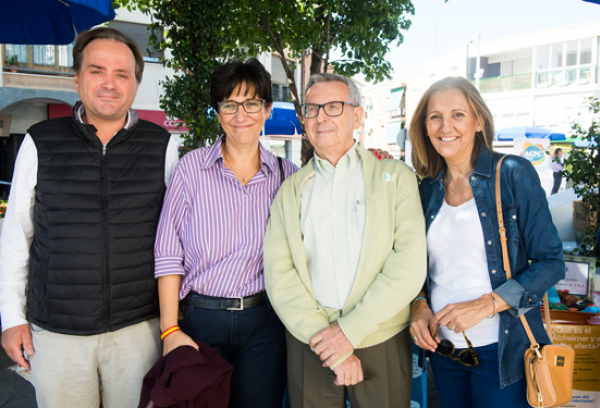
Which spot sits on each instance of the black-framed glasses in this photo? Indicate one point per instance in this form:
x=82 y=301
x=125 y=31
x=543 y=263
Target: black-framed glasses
x=249 y=105
x=467 y=357
x=334 y=108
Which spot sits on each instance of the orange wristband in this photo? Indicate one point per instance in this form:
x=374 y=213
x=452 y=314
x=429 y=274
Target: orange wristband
x=170 y=330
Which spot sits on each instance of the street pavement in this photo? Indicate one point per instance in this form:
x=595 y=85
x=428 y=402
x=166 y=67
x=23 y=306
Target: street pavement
x=15 y=391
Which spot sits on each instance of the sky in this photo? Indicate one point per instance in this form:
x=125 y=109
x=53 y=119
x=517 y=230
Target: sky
x=439 y=27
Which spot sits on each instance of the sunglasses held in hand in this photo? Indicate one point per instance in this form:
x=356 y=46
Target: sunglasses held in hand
x=467 y=357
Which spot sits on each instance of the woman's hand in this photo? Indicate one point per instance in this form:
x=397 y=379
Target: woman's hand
x=461 y=316
x=422 y=326
x=380 y=154
x=177 y=339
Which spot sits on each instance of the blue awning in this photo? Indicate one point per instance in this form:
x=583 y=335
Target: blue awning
x=529 y=132
x=50 y=21
x=283 y=120
x=395 y=99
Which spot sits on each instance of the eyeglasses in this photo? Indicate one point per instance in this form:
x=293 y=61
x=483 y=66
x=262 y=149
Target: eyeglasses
x=468 y=357
x=250 y=106
x=335 y=108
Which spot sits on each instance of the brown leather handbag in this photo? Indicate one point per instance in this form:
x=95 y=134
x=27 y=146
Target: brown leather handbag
x=548 y=368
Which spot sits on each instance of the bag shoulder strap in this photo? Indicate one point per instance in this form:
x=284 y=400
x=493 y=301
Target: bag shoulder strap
x=281 y=173
x=506 y=261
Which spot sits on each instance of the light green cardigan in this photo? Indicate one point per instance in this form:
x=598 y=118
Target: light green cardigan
x=391 y=268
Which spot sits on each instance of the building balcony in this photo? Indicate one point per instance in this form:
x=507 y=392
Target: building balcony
x=38 y=59
x=504 y=83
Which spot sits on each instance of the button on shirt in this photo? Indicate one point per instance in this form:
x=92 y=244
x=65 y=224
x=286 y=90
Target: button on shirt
x=332 y=219
x=211 y=228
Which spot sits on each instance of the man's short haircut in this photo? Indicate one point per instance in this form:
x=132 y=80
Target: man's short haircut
x=235 y=73
x=321 y=78
x=107 y=33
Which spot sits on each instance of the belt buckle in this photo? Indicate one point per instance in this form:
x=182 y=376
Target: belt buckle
x=241 y=307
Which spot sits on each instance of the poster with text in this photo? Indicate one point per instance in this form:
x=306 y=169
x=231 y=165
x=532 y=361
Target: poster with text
x=534 y=150
x=585 y=340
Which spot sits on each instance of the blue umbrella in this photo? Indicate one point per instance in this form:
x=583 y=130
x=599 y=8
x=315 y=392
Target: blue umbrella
x=527 y=131
x=283 y=120
x=50 y=21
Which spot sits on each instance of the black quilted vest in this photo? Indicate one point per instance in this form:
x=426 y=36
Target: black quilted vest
x=91 y=264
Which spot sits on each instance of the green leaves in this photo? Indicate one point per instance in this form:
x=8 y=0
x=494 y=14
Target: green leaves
x=201 y=33
x=583 y=166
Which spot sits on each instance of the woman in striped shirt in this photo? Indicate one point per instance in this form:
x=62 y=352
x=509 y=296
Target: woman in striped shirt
x=208 y=251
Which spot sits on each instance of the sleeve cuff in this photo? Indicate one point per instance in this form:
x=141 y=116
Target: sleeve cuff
x=13 y=316
x=514 y=294
x=168 y=266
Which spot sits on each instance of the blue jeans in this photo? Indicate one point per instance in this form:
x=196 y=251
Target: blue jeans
x=460 y=386
x=253 y=341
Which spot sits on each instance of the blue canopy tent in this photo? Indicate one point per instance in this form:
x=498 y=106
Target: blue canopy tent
x=283 y=120
x=50 y=21
x=508 y=134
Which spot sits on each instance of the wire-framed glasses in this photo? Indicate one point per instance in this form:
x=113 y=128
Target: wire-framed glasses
x=249 y=105
x=334 y=108
x=467 y=357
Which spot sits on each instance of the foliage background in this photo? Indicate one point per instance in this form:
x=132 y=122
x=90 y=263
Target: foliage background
x=201 y=34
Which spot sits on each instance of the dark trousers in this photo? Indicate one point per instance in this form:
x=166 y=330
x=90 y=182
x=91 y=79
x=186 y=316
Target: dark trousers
x=253 y=341
x=557 y=181
x=387 y=369
x=460 y=386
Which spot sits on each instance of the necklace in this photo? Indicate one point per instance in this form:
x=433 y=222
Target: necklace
x=457 y=184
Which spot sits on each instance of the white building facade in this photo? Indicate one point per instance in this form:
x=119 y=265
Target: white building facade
x=539 y=78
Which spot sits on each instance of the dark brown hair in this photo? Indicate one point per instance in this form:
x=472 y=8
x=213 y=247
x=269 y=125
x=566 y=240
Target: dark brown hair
x=107 y=33
x=235 y=73
x=425 y=159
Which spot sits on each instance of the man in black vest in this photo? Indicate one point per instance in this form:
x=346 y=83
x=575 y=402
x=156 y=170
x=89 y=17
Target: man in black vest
x=78 y=298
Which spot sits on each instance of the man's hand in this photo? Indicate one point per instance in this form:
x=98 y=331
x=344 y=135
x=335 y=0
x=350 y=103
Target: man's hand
x=177 y=339
x=348 y=372
x=15 y=340
x=331 y=344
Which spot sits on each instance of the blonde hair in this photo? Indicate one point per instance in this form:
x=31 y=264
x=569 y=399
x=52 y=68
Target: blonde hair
x=426 y=160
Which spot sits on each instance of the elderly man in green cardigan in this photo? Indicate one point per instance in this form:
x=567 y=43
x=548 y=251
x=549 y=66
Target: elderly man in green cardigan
x=344 y=256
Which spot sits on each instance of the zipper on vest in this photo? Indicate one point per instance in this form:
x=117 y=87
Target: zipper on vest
x=105 y=223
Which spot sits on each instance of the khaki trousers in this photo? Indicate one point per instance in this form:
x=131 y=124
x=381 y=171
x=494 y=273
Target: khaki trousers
x=66 y=369
x=387 y=369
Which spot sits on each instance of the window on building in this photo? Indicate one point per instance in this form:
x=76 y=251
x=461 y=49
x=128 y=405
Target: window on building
x=43 y=59
x=281 y=90
x=282 y=93
x=568 y=63
x=140 y=33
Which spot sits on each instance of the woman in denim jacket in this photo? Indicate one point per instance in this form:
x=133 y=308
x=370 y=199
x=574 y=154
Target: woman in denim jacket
x=468 y=292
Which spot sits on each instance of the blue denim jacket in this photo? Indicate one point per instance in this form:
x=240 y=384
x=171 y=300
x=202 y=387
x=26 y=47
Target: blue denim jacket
x=531 y=237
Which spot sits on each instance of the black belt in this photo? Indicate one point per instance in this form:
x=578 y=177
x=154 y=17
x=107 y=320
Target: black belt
x=219 y=303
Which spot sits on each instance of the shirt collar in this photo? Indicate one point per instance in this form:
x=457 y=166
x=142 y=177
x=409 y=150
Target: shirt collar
x=348 y=161
x=483 y=165
x=132 y=117
x=267 y=159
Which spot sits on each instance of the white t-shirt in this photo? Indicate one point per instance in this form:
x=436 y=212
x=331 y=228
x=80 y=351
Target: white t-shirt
x=458 y=268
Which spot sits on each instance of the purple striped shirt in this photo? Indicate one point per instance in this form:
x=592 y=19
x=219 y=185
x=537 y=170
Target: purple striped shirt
x=211 y=227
